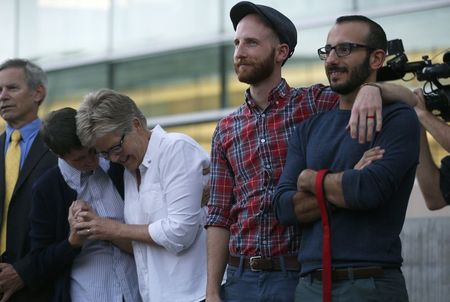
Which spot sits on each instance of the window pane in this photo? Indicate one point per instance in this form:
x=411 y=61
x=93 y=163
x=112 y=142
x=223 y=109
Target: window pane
x=68 y=87
x=171 y=83
x=7 y=29
x=67 y=28
x=153 y=23
x=202 y=133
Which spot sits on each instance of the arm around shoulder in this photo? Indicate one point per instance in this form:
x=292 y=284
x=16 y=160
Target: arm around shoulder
x=393 y=92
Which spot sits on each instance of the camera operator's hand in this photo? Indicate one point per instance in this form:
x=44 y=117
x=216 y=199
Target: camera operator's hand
x=420 y=106
x=435 y=126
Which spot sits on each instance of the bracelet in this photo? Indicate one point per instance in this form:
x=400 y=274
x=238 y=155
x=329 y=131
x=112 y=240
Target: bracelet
x=374 y=85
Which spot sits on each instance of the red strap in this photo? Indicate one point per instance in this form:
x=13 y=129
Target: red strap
x=326 y=240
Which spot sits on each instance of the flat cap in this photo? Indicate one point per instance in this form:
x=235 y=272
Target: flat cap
x=281 y=24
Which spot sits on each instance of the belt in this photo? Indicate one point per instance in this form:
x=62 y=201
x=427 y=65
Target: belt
x=350 y=273
x=257 y=263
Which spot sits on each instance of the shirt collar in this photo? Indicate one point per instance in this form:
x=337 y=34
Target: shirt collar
x=26 y=132
x=277 y=95
x=73 y=177
x=152 y=148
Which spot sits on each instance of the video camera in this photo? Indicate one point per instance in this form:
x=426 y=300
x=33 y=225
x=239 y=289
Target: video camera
x=437 y=95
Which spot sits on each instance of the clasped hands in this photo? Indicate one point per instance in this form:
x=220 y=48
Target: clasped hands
x=85 y=224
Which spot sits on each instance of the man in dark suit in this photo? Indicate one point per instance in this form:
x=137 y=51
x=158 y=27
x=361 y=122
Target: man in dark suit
x=22 y=90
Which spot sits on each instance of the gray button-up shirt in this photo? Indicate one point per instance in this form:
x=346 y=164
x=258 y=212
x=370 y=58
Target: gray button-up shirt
x=101 y=272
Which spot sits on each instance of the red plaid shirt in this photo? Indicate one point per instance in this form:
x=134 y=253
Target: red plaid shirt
x=248 y=154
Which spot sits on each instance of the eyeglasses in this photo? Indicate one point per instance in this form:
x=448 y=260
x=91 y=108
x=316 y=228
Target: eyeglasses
x=114 y=150
x=342 y=50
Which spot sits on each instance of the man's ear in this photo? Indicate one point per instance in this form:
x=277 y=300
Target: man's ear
x=377 y=59
x=282 y=52
x=39 y=94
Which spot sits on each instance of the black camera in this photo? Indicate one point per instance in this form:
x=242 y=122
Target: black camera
x=437 y=95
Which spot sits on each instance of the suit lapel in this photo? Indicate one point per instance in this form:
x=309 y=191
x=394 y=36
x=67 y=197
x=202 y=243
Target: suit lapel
x=37 y=151
x=2 y=173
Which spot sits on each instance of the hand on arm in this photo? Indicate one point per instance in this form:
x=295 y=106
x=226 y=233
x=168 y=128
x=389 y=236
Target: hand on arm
x=368 y=103
x=10 y=281
x=369 y=156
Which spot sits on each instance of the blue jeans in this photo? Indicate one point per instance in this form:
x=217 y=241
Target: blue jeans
x=245 y=285
x=391 y=287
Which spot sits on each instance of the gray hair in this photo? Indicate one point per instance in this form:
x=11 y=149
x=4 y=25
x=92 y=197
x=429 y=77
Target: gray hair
x=105 y=111
x=34 y=75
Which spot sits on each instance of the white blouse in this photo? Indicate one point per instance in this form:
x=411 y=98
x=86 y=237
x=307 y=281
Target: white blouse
x=169 y=200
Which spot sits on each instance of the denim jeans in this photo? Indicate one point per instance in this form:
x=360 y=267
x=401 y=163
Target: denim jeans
x=391 y=287
x=245 y=285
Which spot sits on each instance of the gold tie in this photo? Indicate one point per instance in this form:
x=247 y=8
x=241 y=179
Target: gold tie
x=12 y=166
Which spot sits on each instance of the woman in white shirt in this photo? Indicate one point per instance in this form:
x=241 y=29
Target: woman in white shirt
x=164 y=180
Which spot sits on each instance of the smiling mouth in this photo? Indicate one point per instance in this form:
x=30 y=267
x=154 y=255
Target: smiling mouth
x=243 y=63
x=5 y=107
x=335 y=73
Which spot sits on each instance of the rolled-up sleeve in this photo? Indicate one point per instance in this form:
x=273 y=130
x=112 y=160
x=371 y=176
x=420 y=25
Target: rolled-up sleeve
x=222 y=185
x=182 y=182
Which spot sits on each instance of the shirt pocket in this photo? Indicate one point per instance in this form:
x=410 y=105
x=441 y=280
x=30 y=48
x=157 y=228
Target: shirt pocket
x=154 y=205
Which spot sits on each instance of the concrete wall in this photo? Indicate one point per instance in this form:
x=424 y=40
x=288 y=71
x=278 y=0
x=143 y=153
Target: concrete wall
x=426 y=251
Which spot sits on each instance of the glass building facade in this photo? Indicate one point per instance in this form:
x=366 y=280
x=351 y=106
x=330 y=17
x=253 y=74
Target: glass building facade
x=174 y=57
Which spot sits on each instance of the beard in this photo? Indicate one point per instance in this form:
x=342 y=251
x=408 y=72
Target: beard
x=257 y=71
x=358 y=76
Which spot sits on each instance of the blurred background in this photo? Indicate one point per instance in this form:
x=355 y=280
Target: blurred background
x=174 y=58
